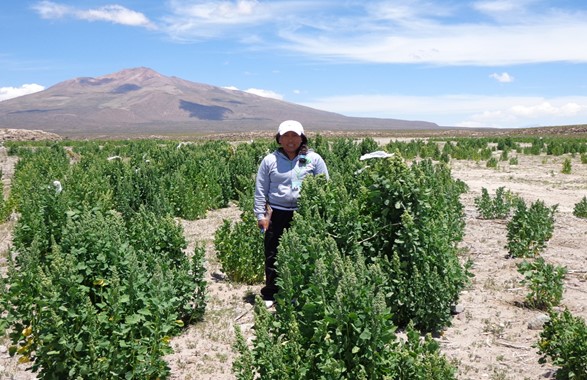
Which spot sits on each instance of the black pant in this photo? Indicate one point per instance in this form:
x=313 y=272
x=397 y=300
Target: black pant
x=280 y=220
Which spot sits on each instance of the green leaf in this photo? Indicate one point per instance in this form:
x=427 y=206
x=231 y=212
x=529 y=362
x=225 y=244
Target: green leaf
x=133 y=319
x=365 y=335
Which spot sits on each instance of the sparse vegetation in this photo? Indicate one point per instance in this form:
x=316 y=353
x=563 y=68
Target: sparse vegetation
x=567 y=166
x=580 y=209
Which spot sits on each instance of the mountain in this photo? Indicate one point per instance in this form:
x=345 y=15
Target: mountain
x=140 y=101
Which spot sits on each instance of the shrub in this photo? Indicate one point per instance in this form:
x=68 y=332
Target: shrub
x=580 y=210
x=504 y=155
x=564 y=340
x=367 y=251
x=409 y=219
x=444 y=157
x=240 y=249
x=97 y=308
x=545 y=282
x=492 y=163
x=530 y=229
x=567 y=167
x=498 y=207
x=94 y=292
x=332 y=322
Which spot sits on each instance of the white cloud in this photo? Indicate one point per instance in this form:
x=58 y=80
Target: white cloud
x=545 y=108
x=116 y=14
x=208 y=19
x=499 y=6
x=13 y=92
x=241 y=20
x=464 y=44
x=258 y=92
x=408 y=31
x=51 y=10
x=462 y=110
x=407 y=10
x=502 y=78
x=401 y=31
x=265 y=93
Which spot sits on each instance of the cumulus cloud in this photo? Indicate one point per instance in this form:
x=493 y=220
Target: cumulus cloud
x=13 y=92
x=259 y=92
x=545 y=108
x=502 y=78
x=116 y=14
x=462 y=110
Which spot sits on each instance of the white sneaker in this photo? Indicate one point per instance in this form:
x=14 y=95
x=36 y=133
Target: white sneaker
x=269 y=303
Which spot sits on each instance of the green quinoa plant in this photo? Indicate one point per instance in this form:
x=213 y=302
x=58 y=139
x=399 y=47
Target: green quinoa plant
x=498 y=207
x=492 y=162
x=332 y=321
x=567 y=166
x=504 y=155
x=530 y=228
x=564 y=341
x=545 y=281
x=580 y=209
x=240 y=249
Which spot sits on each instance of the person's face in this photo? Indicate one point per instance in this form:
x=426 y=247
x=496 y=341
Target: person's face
x=290 y=142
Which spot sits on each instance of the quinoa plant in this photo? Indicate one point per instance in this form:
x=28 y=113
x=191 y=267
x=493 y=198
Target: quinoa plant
x=580 y=210
x=564 y=341
x=545 y=282
x=567 y=166
x=498 y=207
x=504 y=155
x=530 y=229
x=240 y=249
x=492 y=163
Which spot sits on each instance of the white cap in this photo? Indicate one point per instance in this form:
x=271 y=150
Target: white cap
x=290 y=126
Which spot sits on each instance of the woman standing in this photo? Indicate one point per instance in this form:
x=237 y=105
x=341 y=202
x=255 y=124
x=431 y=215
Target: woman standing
x=278 y=184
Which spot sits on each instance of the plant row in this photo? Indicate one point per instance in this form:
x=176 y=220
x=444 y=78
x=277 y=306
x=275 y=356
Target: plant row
x=98 y=279
x=370 y=251
x=528 y=231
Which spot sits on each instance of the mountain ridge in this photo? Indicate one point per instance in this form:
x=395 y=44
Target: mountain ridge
x=141 y=101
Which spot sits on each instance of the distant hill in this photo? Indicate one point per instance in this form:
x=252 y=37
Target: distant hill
x=140 y=101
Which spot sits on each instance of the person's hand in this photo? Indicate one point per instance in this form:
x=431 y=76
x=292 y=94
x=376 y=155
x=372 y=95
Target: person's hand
x=263 y=224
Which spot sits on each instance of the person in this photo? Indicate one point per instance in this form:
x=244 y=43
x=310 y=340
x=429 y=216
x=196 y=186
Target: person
x=277 y=189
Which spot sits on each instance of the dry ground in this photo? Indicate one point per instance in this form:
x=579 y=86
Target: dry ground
x=490 y=339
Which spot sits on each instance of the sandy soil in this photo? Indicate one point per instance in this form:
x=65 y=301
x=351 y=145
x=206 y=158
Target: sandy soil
x=489 y=339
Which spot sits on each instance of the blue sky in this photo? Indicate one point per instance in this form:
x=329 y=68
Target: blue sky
x=486 y=63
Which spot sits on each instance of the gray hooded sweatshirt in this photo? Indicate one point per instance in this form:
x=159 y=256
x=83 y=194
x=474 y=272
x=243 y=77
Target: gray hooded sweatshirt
x=279 y=180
